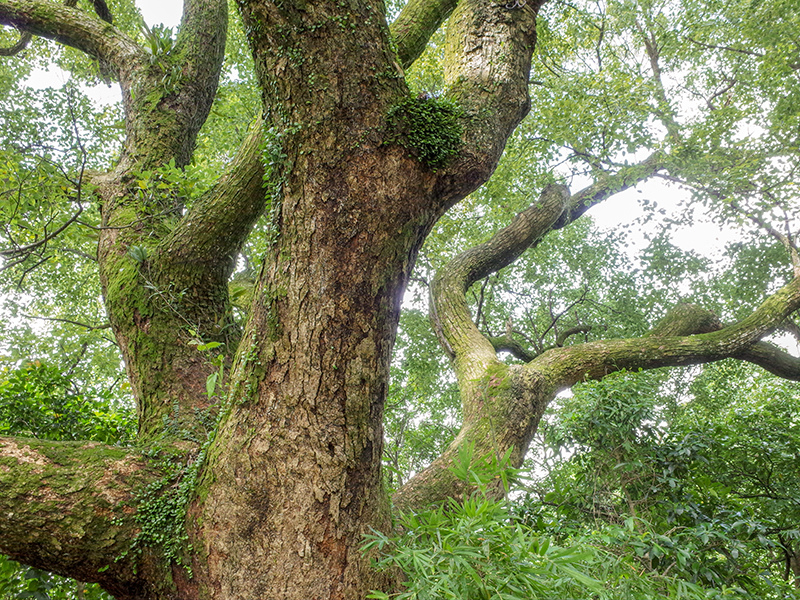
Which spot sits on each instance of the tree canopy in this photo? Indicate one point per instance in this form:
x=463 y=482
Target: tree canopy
x=320 y=300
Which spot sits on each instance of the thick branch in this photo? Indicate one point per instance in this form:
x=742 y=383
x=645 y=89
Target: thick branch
x=72 y=27
x=487 y=66
x=502 y=410
x=415 y=25
x=506 y=343
x=201 y=45
x=219 y=222
x=19 y=46
x=68 y=507
x=451 y=316
x=564 y=335
x=772 y=359
x=566 y=366
x=689 y=319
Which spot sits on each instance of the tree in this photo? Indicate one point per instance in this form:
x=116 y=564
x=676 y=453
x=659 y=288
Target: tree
x=257 y=469
x=697 y=490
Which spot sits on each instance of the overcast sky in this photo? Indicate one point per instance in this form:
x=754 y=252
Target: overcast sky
x=167 y=12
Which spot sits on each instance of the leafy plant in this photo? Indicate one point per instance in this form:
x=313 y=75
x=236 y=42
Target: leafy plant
x=475 y=549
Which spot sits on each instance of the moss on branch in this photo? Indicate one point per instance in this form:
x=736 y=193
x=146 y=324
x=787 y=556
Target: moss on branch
x=69 y=507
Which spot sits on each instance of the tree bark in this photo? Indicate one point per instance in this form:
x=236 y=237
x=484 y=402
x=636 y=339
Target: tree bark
x=290 y=481
x=70 y=507
x=279 y=494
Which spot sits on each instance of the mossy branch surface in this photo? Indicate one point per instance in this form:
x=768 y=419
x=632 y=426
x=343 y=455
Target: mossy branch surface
x=71 y=508
x=415 y=25
x=75 y=28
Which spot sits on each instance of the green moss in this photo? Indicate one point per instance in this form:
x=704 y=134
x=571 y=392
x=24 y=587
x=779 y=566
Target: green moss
x=161 y=513
x=431 y=127
x=161 y=506
x=496 y=381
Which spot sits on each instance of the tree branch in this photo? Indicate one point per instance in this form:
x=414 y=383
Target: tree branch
x=68 y=507
x=27 y=250
x=219 y=222
x=609 y=185
x=22 y=43
x=728 y=48
x=201 y=44
x=487 y=66
x=555 y=209
x=506 y=343
x=452 y=320
x=503 y=405
x=772 y=359
x=415 y=25
x=784 y=238
x=564 y=367
x=70 y=322
x=562 y=337
x=74 y=28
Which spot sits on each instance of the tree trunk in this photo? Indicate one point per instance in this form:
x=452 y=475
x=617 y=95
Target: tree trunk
x=264 y=486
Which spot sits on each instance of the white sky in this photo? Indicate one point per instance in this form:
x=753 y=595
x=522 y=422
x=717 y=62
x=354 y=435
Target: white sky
x=166 y=12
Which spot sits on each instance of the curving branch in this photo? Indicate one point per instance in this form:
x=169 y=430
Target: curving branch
x=73 y=27
x=488 y=53
x=218 y=223
x=772 y=359
x=506 y=343
x=69 y=507
x=415 y=25
x=450 y=314
x=502 y=405
x=555 y=209
x=564 y=335
x=24 y=39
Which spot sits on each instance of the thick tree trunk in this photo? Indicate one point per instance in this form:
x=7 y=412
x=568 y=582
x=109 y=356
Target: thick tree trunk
x=278 y=496
x=294 y=481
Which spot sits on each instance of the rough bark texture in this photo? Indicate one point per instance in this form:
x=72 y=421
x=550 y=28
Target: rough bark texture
x=281 y=492
x=292 y=479
x=69 y=508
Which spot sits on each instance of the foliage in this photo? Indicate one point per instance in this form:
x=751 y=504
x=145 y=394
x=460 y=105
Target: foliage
x=18 y=582
x=162 y=505
x=422 y=406
x=37 y=400
x=472 y=548
x=701 y=490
